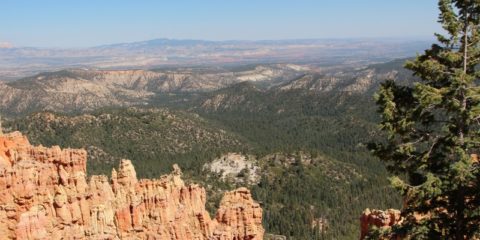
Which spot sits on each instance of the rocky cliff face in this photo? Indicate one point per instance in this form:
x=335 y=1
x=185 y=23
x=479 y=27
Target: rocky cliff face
x=44 y=194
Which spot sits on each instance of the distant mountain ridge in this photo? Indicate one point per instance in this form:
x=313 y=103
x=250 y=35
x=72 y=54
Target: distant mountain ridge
x=18 y=62
x=78 y=90
x=84 y=90
x=313 y=88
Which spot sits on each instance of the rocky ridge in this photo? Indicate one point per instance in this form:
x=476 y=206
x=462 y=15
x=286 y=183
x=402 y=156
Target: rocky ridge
x=90 y=89
x=44 y=194
x=352 y=81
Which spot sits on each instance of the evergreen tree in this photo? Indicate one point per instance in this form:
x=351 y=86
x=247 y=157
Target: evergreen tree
x=432 y=131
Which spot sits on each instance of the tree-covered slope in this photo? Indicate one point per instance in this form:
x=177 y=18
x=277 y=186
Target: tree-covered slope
x=153 y=138
x=329 y=127
x=342 y=181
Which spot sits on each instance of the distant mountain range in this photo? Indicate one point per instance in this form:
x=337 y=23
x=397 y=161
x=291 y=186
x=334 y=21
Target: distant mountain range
x=18 y=62
x=85 y=89
x=211 y=88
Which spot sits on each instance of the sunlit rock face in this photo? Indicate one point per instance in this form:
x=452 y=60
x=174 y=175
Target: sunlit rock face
x=44 y=194
x=378 y=218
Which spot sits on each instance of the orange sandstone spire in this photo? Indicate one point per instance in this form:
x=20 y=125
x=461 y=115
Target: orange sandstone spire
x=44 y=194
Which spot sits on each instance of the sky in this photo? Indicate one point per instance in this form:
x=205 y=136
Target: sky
x=84 y=23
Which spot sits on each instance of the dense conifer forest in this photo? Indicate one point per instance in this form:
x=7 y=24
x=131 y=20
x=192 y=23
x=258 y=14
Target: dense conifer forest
x=342 y=180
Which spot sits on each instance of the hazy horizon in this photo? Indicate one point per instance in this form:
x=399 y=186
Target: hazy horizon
x=380 y=39
x=83 y=24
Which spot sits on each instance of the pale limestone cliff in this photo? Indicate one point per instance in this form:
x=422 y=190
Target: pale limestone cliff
x=237 y=167
x=44 y=194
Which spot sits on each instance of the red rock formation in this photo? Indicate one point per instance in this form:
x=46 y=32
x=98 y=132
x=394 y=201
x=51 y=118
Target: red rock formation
x=44 y=194
x=378 y=218
x=239 y=217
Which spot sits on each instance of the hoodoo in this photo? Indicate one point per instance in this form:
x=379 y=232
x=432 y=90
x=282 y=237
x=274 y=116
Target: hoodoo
x=44 y=194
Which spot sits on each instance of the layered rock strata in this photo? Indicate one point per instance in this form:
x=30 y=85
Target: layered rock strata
x=44 y=194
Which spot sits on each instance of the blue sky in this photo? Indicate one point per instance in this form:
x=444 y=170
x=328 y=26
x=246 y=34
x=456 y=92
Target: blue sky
x=81 y=23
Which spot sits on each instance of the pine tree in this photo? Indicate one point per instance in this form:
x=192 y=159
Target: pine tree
x=433 y=131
